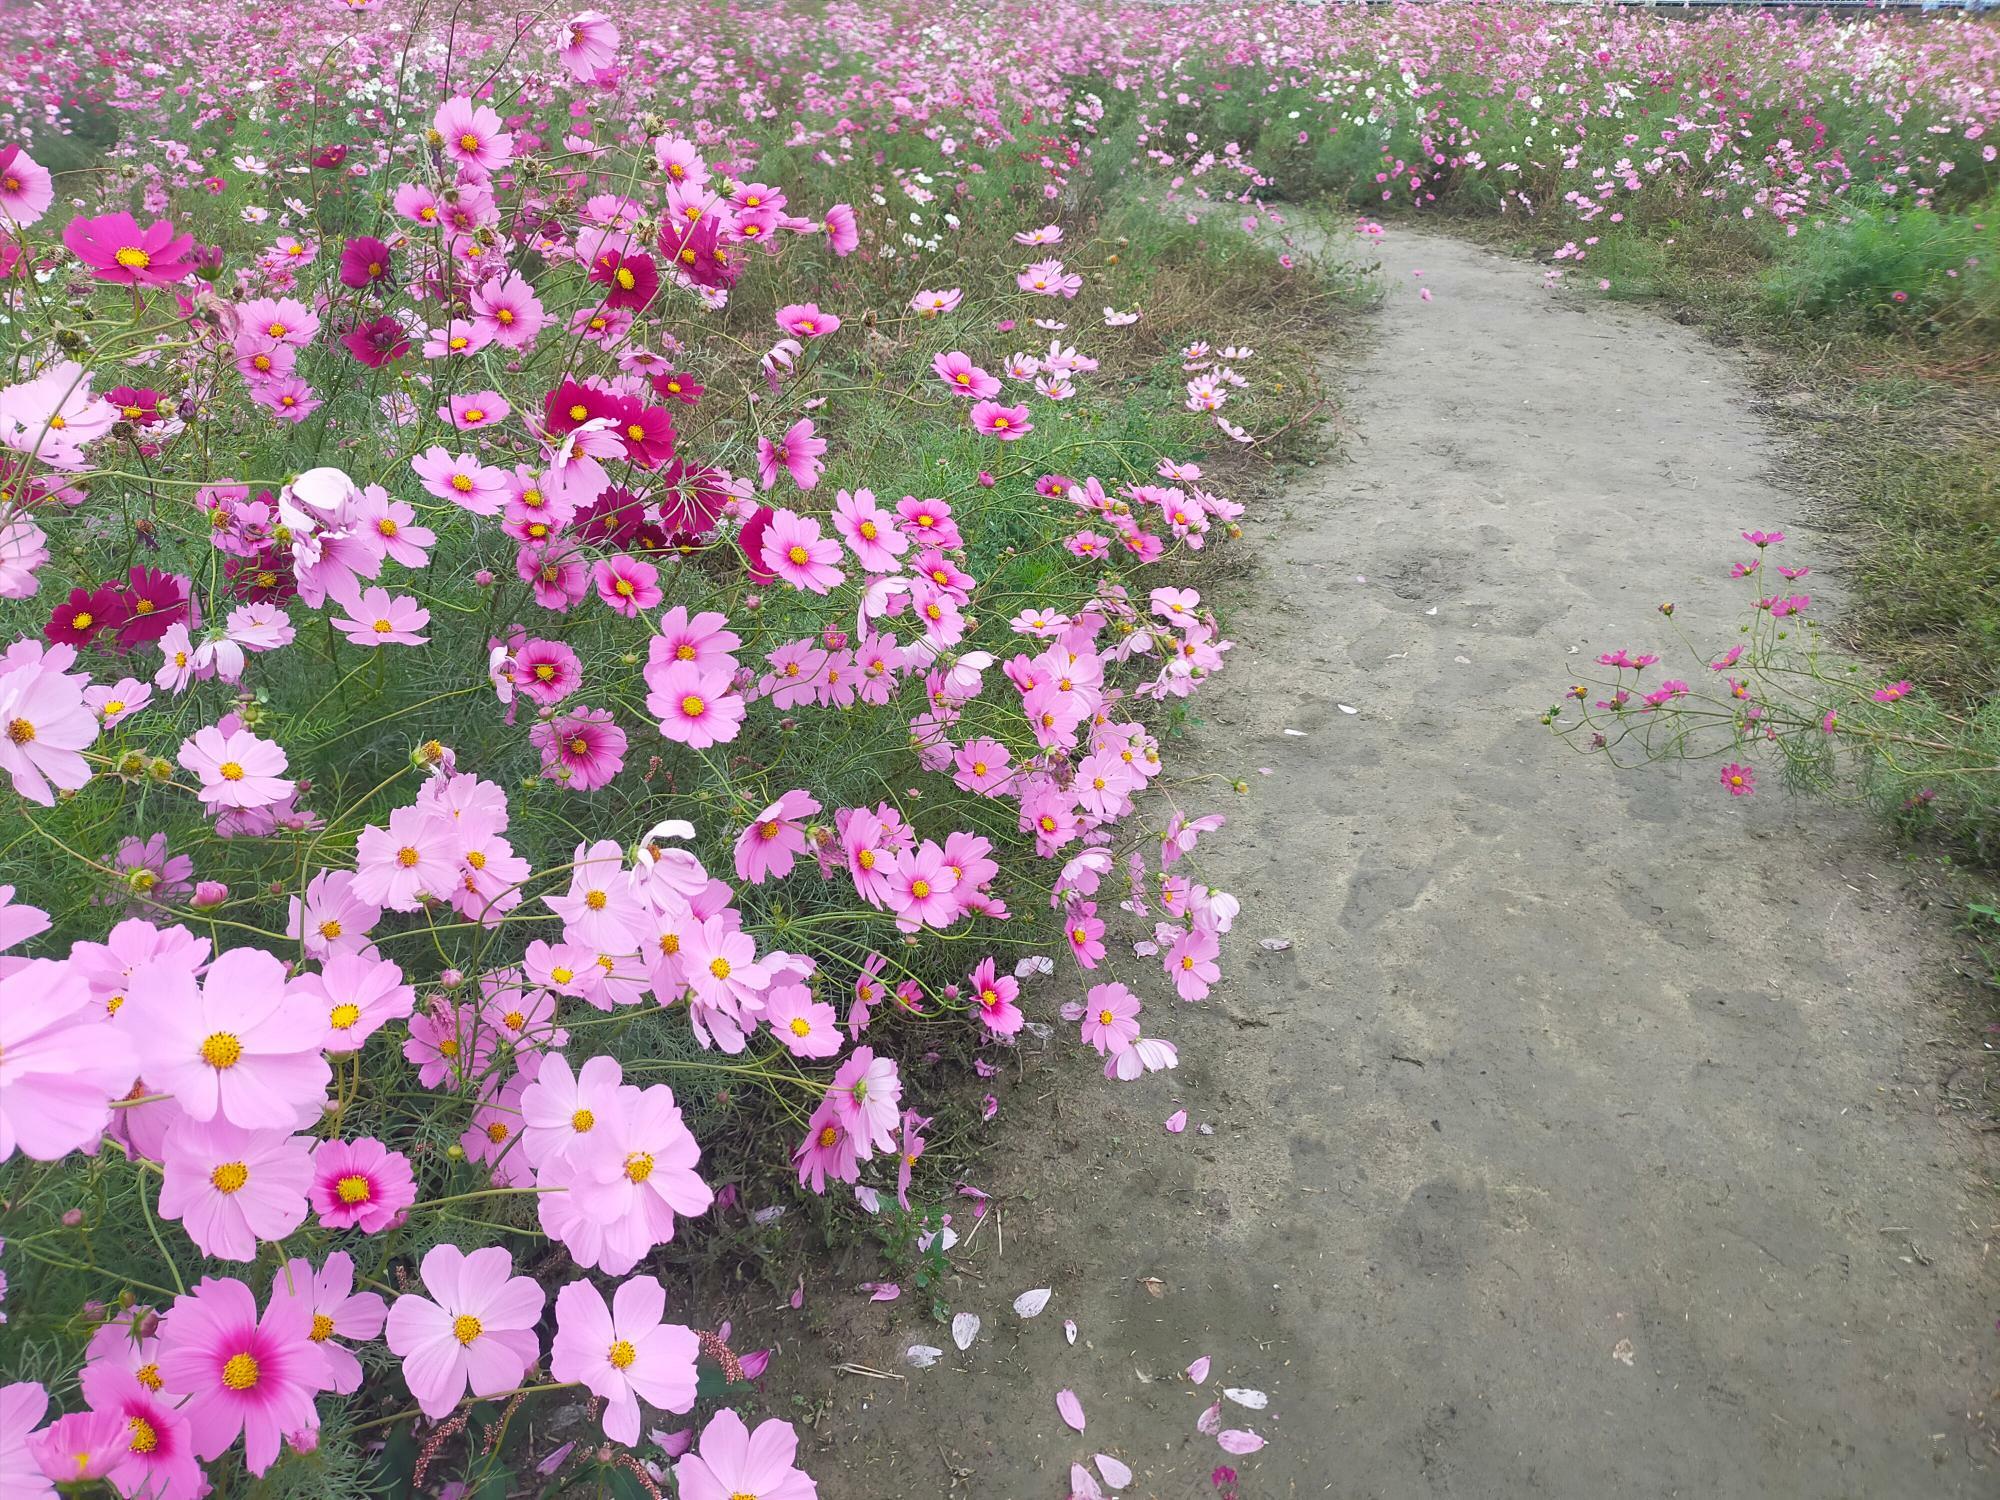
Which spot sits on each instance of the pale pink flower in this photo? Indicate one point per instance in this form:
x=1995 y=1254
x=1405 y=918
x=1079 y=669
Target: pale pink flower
x=240 y=1045
x=236 y=768
x=624 y=1353
x=336 y=1309
x=732 y=1462
x=478 y=1333
x=61 y=1064
x=232 y=1188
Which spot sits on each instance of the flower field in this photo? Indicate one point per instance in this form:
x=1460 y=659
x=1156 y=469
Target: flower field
x=595 y=610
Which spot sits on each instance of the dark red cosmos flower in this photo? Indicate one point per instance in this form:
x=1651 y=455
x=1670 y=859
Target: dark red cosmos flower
x=141 y=406
x=377 y=341
x=572 y=403
x=153 y=602
x=675 y=386
x=80 y=618
x=613 y=519
x=751 y=540
x=630 y=280
x=646 y=431
x=364 y=262
x=690 y=504
x=330 y=157
x=267 y=577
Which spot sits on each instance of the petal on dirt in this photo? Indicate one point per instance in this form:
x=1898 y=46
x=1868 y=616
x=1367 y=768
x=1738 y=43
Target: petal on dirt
x=1209 y=1423
x=1069 y=1329
x=964 y=1329
x=1070 y=1408
x=1083 y=1484
x=1237 y=1440
x=922 y=1356
x=1198 y=1371
x=1030 y=1304
x=1177 y=1122
x=1255 y=1400
x=1116 y=1474
x=881 y=1291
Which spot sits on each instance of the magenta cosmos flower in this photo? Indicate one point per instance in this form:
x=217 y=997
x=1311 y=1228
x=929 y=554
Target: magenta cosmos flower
x=964 y=378
x=117 y=249
x=1004 y=422
x=1738 y=781
x=734 y=1463
x=237 y=769
x=806 y=321
x=626 y=1352
x=795 y=551
x=61 y=1062
x=1109 y=1018
x=470 y=134
x=159 y=1460
x=240 y=1045
x=694 y=707
x=797 y=453
x=582 y=749
x=45 y=725
x=231 y=1188
x=244 y=1374
x=479 y=1332
x=627 y=584
x=360 y=1185
x=775 y=838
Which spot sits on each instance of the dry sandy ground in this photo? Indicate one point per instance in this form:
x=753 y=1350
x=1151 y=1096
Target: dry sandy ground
x=1585 y=1141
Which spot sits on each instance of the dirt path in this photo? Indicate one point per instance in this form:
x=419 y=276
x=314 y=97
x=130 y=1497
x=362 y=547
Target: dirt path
x=1584 y=1142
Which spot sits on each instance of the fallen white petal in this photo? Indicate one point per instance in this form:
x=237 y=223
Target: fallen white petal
x=964 y=1329
x=922 y=1356
x=1116 y=1474
x=1255 y=1400
x=1030 y=1304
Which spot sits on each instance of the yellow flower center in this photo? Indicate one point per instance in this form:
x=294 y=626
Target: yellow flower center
x=622 y=1354
x=462 y=483
x=149 y=1377
x=920 y=888
x=230 y=770
x=229 y=1177
x=691 y=706
x=476 y=858
x=133 y=258
x=383 y=627
x=595 y=900
x=583 y=1122
x=353 y=1189
x=865 y=859
x=240 y=1373
x=719 y=967
x=475 y=414
x=448 y=1047
x=20 y=731
x=801 y=1026
x=330 y=929
x=322 y=1328
x=496 y=1132
x=465 y=1328
x=798 y=555
x=468 y=142
x=84 y=620
x=638 y=1166
x=407 y=857
x=144 y=1438
x=828 y=1135
x=344 y=1016
x=222 y=1049
x=513 y=1020
x=562 y=974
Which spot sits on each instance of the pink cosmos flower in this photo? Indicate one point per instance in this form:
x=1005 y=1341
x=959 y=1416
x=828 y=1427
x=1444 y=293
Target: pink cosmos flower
x=922 y=887
x=704 y=640
x=159 y=1459
x=589 y=44
x=870 y=531
x=116 y=249
x=694 y=707
x=244 y=1374
x=796 y=552
x=1738 y=781
x=232 y=1188
x=357 y=994
x=375 y=617
x=806 y=321
x=1085 y=933
x=61 y=1063
x=627 y=584
x=600 y=909
x=797 y=452
x=1895 y=692
x=964 y=378
x=547 y=671
x=1190 y=962
x=45 y=725
x=624 y=1353
x=470 y=134
x=336 y=1309
x=23 y=1404
x=994 y=993
x=479 y=1332
x=581 y=748
x=829 y=1150
x=807 y=1027
x=360 y=1184
x=1006 y=423
x=240 y=1046
x=732 y=1462
x=1109 y=1022
x=929 y=304
x=26 y=189
x=462 y=479
x=867 y=1093
x=237 y=768
x=81 y=1447
x=842 y=231
x=767 y=849
x=559 y=1107
x=414 y=857
x=634 y=1173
